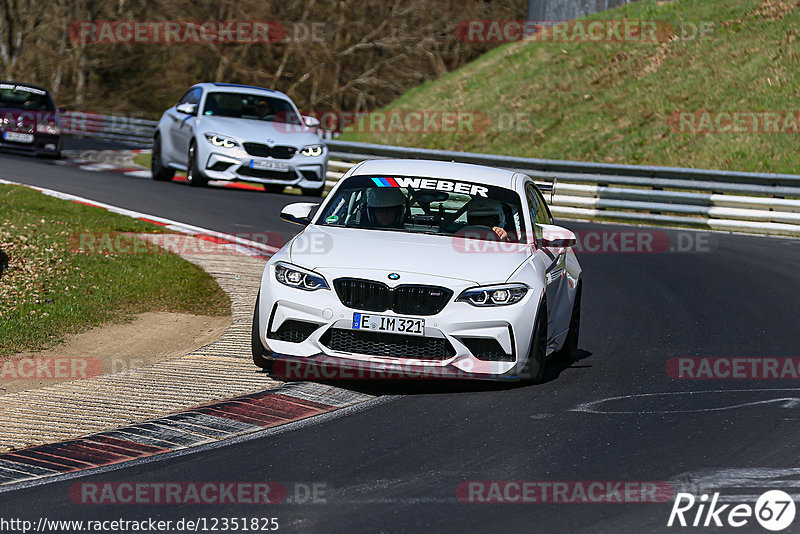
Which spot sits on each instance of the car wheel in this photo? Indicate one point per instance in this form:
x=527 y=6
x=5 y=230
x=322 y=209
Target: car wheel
x=274 y=188
x=259 y=352
x=194 y=175
x=313 y=192
x=159 y=172
x=570 y=348
x=533 y=370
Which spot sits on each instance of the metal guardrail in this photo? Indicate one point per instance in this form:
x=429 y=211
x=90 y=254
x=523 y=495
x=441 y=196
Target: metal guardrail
x=720 y=200
x=132 y=131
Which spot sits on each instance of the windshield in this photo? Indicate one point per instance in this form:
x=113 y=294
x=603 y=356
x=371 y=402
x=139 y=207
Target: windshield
x=427 y=205
x=248 y=106
x=14 y=96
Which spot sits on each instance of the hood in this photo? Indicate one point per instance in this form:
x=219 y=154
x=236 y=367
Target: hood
x=258 y=131
x=357 y=251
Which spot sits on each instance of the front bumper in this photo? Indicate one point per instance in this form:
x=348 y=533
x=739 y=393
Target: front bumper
x=509 y=328
x=238 y=165
x=46 y=144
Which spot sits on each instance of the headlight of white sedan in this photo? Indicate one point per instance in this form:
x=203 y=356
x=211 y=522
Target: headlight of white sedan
x=294 y=276
x=221 y=141
x=312 y=151
x=501 y=295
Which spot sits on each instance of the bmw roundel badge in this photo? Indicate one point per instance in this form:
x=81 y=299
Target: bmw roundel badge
x=394 y=276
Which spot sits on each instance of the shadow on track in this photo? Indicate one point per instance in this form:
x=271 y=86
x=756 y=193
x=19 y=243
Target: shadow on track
x=430 y=386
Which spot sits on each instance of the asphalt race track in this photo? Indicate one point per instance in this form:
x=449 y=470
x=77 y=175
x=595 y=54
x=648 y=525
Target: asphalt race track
x=396 y=466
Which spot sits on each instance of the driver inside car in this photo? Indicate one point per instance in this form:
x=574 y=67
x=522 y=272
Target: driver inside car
x=386 y=208
x=487 y=212
x=263 y=109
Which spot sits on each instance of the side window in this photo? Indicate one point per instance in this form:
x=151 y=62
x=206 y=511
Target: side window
x=192 y=96
x=536 y=207
x=544 y=216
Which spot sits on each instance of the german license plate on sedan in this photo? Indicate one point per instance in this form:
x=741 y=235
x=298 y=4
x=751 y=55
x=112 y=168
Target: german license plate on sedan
x=268 y=165
x=18 y=137
x=388 y=323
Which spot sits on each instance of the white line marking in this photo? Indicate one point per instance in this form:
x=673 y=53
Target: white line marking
x=786 y=402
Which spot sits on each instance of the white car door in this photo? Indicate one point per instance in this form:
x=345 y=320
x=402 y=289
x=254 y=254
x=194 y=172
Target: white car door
x=181 y=126
x=556 y=288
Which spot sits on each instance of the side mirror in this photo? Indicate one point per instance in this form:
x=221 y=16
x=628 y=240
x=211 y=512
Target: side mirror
x=311 y=122
x=557 y=237
x=186 y=108
x=298 y=213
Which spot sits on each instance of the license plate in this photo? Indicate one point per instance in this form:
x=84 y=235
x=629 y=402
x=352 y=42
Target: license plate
x=18 y=137
x=268 y=165
x=388 y=323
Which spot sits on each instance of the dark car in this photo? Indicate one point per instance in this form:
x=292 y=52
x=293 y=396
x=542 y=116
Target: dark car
x=28 y=120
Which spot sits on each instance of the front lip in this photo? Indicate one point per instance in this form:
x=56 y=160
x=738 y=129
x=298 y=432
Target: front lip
x=325 y=367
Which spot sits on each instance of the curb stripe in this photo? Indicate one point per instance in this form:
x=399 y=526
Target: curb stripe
x=205 y=425
x=140 y=448
x=202 y=425
x=95 y=166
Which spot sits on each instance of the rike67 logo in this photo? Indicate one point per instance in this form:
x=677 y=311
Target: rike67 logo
x=774 y=510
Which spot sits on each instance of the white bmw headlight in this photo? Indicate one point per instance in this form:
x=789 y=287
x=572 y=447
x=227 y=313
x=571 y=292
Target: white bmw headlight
x=294 y=276
x=312 y=151
x=501 y=295
x=221 y=141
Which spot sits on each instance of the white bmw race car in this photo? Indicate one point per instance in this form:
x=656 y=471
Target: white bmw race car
x=229 y=132
x=413 y=268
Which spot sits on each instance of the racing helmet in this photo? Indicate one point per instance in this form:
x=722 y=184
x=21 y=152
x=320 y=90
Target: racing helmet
x=385 y=198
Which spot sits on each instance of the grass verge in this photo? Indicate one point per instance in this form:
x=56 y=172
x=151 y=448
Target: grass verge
x=51 y=288
x=616 y=102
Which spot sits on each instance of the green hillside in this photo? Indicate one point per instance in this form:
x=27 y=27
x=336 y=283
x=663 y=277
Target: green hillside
x=618 y=101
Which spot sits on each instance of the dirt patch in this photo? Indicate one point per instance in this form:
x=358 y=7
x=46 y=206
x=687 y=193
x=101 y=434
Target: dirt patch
x=149 y=338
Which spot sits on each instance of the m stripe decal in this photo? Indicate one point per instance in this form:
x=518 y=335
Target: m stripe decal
x=385 y=182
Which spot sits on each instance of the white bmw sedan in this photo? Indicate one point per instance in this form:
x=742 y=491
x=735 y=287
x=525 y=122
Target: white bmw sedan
x=231 y=132
x=422 y=269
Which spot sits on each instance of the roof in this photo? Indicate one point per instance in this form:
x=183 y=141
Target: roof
x=238 y=88
x=438 y=169
x=23 y=84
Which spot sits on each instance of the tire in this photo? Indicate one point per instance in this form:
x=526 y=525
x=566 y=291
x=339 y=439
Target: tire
x=159 y=172
x=194 y=174
x=313 y=192
x=569 y=350
x=533 y=370
x=259 y=352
